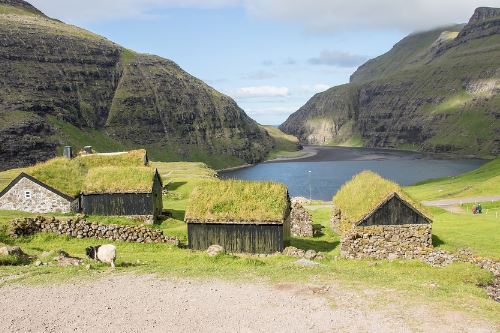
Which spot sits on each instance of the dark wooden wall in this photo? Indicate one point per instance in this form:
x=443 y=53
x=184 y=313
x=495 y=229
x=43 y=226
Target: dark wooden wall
x=116 y=204
x=248 y=238
x=394 y=212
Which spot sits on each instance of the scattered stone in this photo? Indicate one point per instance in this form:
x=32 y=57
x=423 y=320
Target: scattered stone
x=310 y=254
x=88 y=267
x=438 y=258
x=301 y=201
x=38 y=263
x=320 y=256
x=64 y=260
x=214 y=250
x=306 y=262
x=300 y=221
x=292 y=251
x=14 y=251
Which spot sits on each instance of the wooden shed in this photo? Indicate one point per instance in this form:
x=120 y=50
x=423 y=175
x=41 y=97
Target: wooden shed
x=377 y=219
x=132 y=191
x=241 y=216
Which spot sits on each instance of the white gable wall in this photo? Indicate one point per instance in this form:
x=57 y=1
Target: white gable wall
x=40 y=200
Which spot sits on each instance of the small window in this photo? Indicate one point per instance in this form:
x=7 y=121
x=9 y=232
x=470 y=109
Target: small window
x=27 y=194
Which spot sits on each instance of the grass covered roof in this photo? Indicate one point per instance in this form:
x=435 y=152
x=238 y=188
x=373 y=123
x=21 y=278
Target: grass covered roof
x=238 y=201
x=363 y=193
x=68 y=175
x=112 y=179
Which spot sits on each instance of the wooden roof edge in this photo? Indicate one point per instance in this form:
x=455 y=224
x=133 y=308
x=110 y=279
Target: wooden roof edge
x=38 y=182
x=383 y=202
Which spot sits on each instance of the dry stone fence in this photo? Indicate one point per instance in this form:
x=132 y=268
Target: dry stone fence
x=300 y=221
x=80 y=228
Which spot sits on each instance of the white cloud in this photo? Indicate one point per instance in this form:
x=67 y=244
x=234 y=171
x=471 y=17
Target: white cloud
x=321 y=16
x=338 y=58
x=102 y=10
x=326 y=16
x=260 y=91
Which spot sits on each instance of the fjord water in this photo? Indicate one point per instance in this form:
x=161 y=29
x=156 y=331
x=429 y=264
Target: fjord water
x=333 y=166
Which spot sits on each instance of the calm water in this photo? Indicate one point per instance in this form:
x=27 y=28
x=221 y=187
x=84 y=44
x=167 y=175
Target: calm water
x=327 y=176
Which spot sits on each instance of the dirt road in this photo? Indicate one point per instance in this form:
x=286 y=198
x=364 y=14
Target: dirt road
x=126 y=303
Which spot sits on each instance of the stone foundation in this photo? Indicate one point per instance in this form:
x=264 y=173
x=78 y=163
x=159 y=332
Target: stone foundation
x=84 y=229
x=387 y=241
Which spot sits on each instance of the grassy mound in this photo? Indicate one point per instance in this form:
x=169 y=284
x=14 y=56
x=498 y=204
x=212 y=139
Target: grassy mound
x=118 y=180
x=362 y=194
x=236 y=200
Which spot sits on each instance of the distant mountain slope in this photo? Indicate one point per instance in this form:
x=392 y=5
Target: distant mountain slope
x=60 y=85
x=433 y=91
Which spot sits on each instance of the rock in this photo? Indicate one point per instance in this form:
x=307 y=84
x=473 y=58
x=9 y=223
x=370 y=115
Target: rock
x=64 y=260
x=38 y=263
x=12 y=251
x=310 y=254
x=214 y=250
x=300 y=200
x=320 y=256
x=292 y=251
x=88 y=267
x=306 y=262
x=392 y=256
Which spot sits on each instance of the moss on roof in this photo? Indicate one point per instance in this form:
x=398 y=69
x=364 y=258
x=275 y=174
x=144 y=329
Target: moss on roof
x=126 y=159
x=362 y=194
x=60 y=173
x=112 y=179
x=68 y=175
x=238 y=201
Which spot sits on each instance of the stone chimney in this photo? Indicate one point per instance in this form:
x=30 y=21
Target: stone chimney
x=68 y=152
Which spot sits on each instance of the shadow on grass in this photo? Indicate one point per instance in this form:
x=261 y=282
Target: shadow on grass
x=436 y=241
x=175 y=185
x=312 y=244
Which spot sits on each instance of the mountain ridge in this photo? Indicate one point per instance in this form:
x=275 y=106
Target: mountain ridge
x=434 y=91
x=63 y=85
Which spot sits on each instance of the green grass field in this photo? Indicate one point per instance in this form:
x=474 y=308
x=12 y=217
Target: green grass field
x=483 y=181
x=455 y=286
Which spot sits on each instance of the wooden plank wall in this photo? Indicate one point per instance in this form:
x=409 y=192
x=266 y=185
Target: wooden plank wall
x=247 y=238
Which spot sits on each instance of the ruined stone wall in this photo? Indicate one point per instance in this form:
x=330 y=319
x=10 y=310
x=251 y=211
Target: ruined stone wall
x=40 y=199
x=84 y=229
x=300 y=221
x=387 y=241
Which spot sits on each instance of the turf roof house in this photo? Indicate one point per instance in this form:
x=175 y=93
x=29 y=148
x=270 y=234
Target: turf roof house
x=241 y=216
x=377 y=219
x=133 y=191
x=112 y=184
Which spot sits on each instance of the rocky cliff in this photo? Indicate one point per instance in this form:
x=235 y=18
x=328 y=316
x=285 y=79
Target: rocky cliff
x=434 y=91
x=61 y=85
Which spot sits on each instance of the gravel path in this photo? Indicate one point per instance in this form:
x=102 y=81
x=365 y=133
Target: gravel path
x=455 y=202
x=126 y=303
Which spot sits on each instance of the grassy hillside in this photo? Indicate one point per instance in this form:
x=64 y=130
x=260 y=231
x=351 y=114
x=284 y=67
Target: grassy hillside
x=434 y=91
x=483 y=181
x=62 y=85
x=284 y=145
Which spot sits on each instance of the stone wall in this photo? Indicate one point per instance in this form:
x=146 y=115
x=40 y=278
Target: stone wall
x=387 y=241
x=300 y=221
x=84 y=229
x=41 y=200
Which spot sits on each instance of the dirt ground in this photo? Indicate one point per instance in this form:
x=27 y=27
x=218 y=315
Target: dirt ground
x=127 y=303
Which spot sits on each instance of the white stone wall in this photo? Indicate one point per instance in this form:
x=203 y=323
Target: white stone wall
x=41 y=200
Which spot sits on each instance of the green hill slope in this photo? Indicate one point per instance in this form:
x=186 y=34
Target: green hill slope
x=435 y=91
x=60 y=85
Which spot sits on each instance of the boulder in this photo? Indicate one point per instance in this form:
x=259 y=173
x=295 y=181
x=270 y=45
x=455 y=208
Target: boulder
x=64 y=260
x=214 y=250
x=14 y=251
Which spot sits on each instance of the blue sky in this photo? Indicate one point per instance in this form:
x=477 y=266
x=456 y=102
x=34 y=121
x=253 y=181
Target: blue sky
x=271 y=56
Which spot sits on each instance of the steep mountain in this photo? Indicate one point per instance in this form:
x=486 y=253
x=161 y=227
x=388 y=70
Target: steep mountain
x=62 y=85
x=435 y=91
